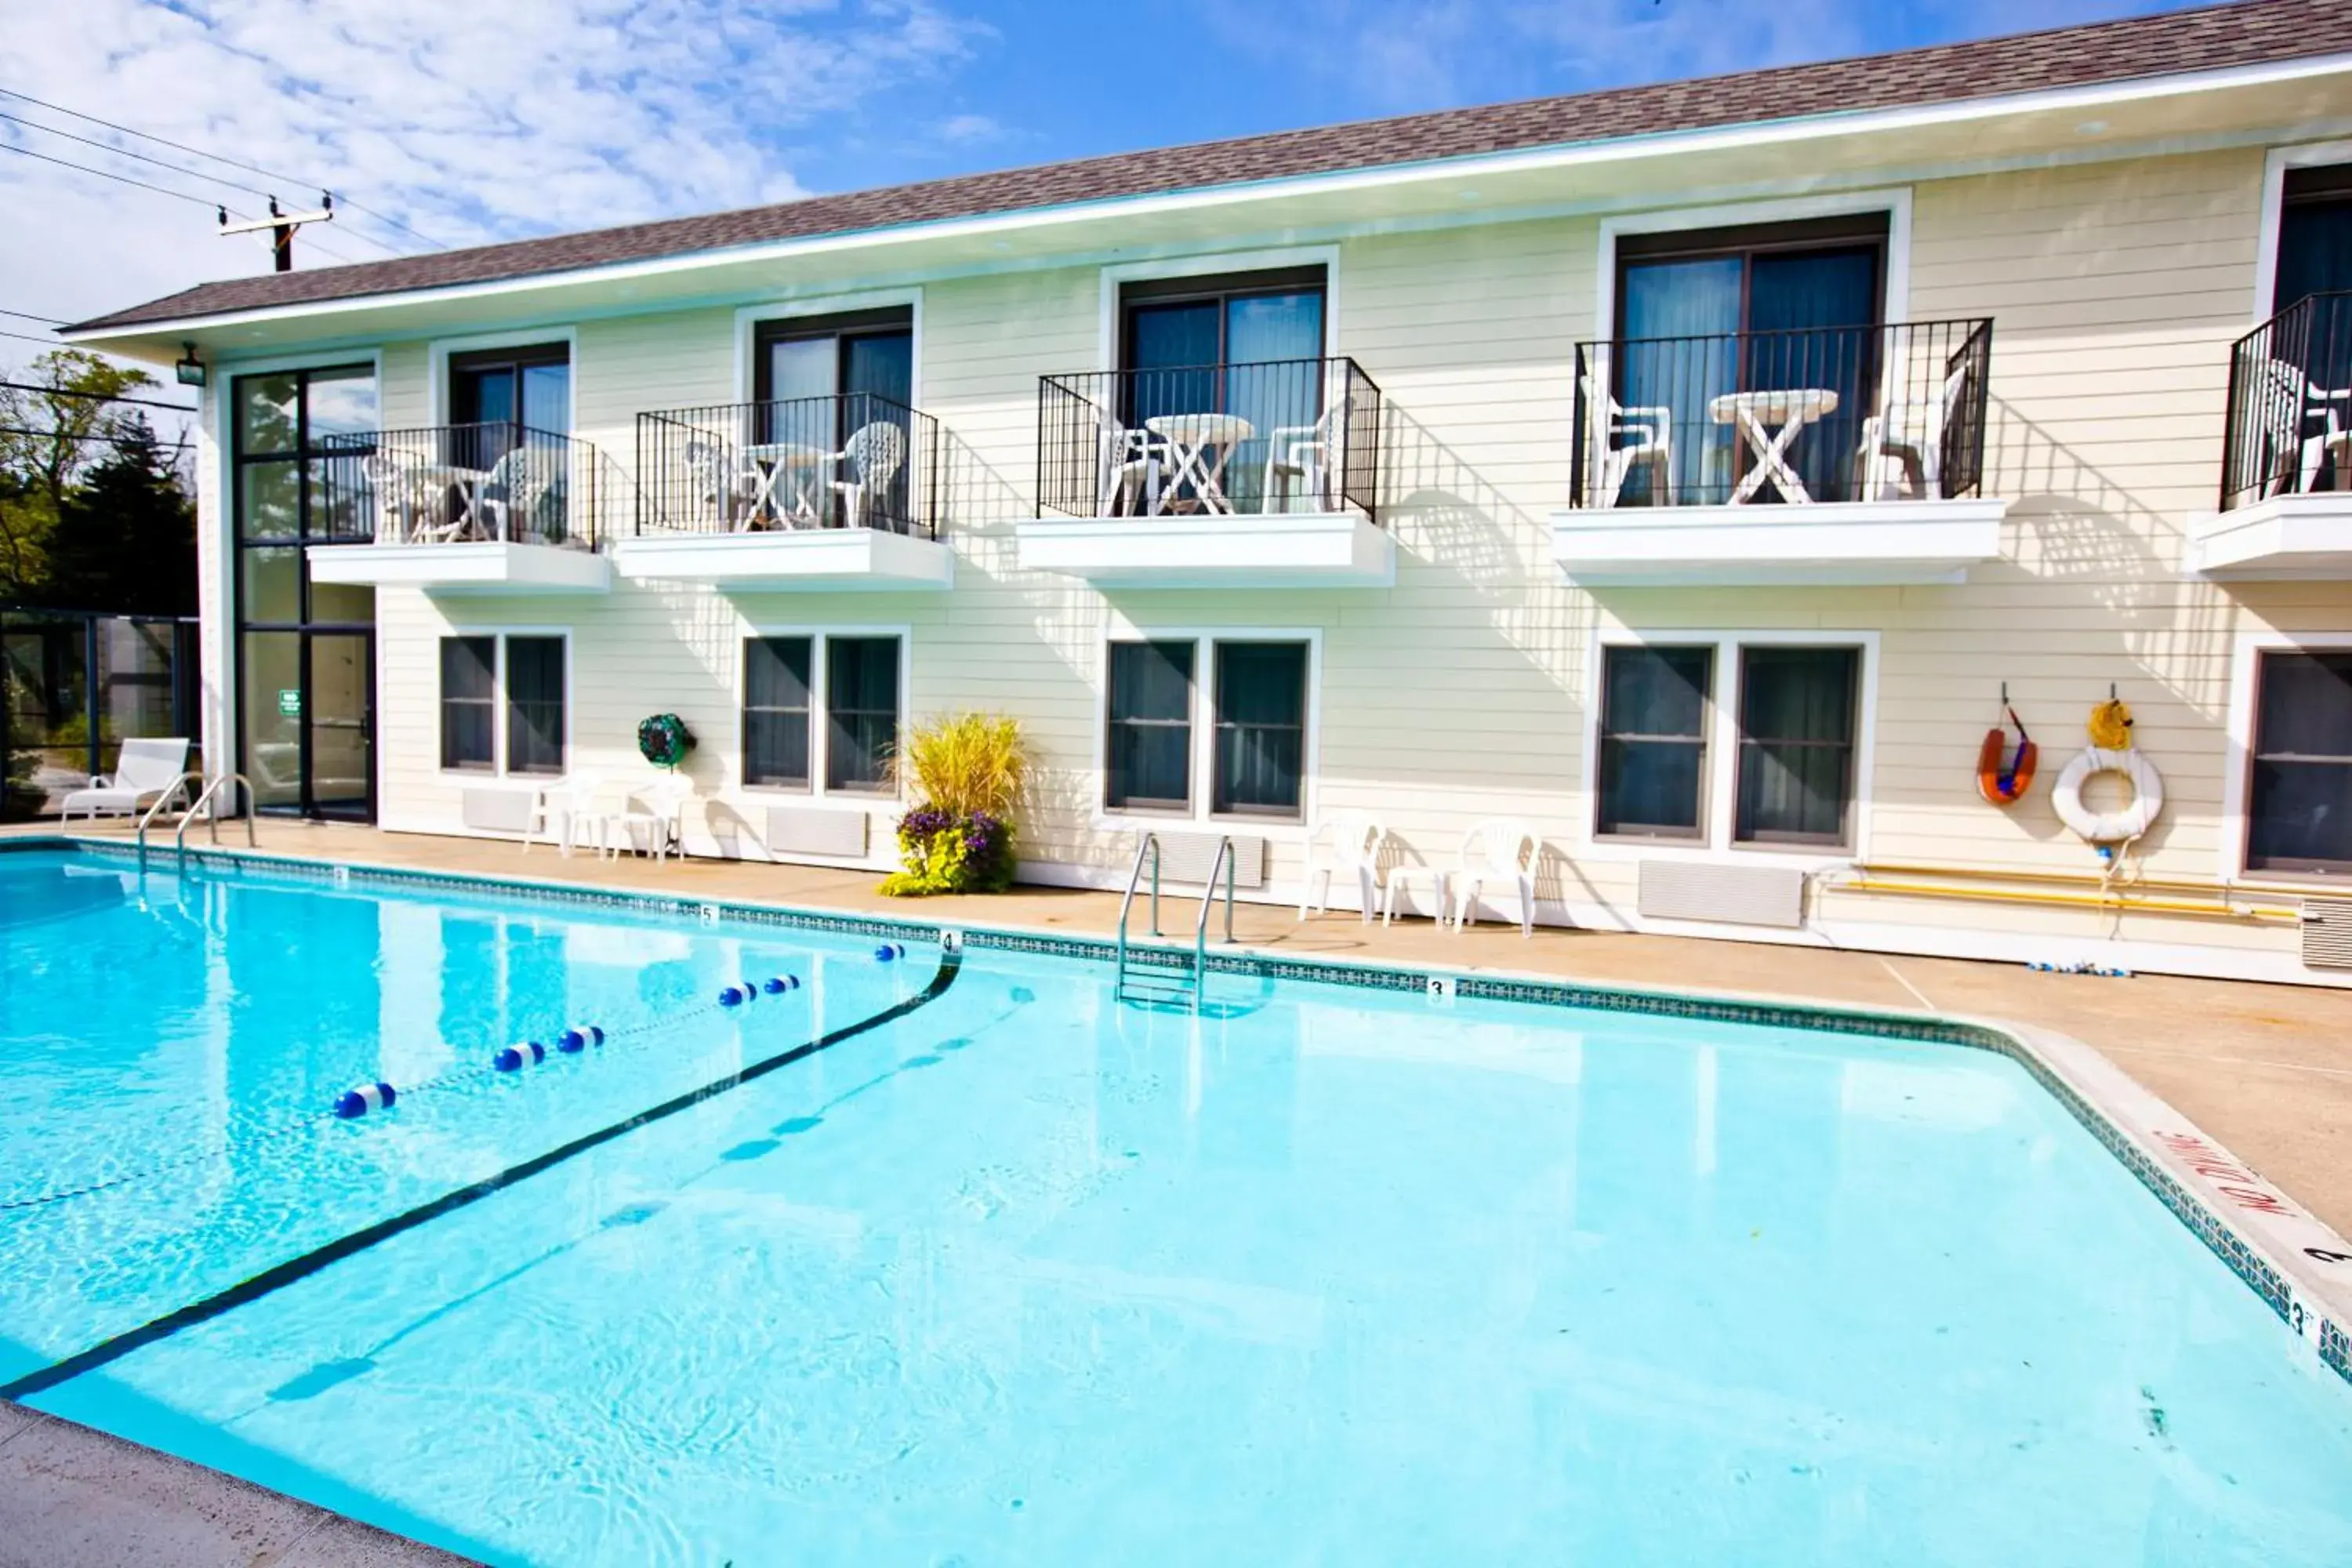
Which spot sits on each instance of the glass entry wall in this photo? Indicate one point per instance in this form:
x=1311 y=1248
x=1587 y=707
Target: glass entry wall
x=306 y=660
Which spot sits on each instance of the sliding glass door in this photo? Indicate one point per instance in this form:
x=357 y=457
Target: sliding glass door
x=1246 y=345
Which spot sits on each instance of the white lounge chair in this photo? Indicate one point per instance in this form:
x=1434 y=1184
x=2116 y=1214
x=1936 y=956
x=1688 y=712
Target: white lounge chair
x=651 y=822
x=1624 y=440
x=146 y=773
x=564 y=814
x=1500 y=851
x=1354 y=839
x=873 y=456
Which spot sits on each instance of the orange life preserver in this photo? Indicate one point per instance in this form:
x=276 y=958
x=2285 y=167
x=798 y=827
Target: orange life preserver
x=2000 y=780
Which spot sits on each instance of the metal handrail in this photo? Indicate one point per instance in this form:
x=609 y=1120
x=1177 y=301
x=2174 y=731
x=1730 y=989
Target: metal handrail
x=1224 y=860
x=179 y=788
x=212 y=818
x=1149 y=843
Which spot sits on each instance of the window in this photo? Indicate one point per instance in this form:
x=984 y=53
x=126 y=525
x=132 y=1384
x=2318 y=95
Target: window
x=469 y=703
x=530 y=387
x=535 y=705
x=869 y=352
x=776 y=712
x=483 y=675
x=1654 y=741
x=1796 y=744
x=1786 y=778
x=2299 y=815
x=1261 y=728
x=1150 y=742
x=1256 y=695
x=861 y=699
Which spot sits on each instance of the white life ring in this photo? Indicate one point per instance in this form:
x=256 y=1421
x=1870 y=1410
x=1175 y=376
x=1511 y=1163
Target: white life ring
x=2113 y=826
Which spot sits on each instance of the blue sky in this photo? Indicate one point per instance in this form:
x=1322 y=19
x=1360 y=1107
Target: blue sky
x=476 y=119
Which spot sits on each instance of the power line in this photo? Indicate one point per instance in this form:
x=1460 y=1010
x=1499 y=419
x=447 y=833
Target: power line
x=215 y=157
x=108 y=441
x=27 y=315
x=97 y=396
x=28 y=337
x=142 y=184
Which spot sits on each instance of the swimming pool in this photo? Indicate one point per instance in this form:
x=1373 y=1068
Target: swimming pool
x=1020 y=1275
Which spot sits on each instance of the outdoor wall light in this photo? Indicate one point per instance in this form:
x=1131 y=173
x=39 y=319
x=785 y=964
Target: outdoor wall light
x=191 y=369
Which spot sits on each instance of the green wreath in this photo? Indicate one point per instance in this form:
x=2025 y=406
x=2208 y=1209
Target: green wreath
x=665 y=740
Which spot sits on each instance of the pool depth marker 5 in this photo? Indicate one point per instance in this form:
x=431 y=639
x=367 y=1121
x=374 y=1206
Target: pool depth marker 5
x=278 y=1276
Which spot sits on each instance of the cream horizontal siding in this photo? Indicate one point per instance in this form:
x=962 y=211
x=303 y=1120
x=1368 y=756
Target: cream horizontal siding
x=1460 y=692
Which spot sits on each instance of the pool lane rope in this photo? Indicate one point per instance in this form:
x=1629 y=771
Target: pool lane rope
x=368 y=1099
x=278 y=1276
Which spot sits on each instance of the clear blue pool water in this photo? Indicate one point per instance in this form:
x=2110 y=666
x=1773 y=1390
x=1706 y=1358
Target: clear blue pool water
x=1025 y=1276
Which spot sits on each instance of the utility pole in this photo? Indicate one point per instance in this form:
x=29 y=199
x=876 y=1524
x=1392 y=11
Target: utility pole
x=281 y=227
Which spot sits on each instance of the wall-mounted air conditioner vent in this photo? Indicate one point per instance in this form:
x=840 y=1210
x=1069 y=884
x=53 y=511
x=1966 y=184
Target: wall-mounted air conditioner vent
x=2327 y=934
x=817 y=830
x=1188 y=856
x=1734 y=895
x=495 y=810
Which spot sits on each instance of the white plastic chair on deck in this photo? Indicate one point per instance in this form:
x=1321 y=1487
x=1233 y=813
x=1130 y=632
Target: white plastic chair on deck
x=564 y=814
x=144 y=771
x=1644 y=438
x=1500 y=851
x=1355 y=839
x=1911 y=432
x=873 y=454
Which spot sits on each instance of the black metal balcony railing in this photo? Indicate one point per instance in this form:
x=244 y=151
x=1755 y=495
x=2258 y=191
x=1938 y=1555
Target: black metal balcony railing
x=448 y=484
x=1277 y=436
x=1818 y=413
x=2290 y=430
x=856 y=460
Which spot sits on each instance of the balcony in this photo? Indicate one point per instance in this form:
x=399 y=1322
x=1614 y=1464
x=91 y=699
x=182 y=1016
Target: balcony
x=1820 y=456
x=1225 y=476
x=461 y=509
x=2286 y=460
x=809 y=493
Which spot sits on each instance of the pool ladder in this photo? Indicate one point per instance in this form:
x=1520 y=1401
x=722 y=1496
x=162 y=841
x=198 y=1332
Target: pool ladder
x=204 y=802
x=1149 y=979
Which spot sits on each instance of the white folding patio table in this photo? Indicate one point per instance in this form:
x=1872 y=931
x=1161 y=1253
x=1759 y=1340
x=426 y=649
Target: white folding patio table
x=767 y=463
x=1771 y=422
x=1190 y=438
x=439 y=479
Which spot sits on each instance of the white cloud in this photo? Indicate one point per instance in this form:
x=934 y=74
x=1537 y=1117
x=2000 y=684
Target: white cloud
x=471 y=119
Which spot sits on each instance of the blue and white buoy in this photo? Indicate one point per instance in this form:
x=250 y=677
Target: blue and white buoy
x=360 y=1099
x=779 y=983
x=890 y=953
x=732 y=997
x=511 y=1059
x=595 y=1036
x=571 y=1042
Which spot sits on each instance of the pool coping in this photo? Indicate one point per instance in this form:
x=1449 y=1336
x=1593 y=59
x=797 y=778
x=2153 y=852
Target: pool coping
x=2293 y=1261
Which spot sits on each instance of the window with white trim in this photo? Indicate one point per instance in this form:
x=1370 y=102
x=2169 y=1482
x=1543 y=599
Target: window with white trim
x=503 y=702
x=1249 y=693
x=2299 y=790
x=1789 y=712
x=822 y=703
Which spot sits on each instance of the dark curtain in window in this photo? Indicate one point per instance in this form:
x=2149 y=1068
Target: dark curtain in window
x=534 y=705
x=776 y=711
x=861 y=699
x=1261 y=728
x=1796 y=743
x=1654 y=739
x=2314 y=256
x=2300 y=815
x=468 y=701
x=1150 y=742
x=1812 y=320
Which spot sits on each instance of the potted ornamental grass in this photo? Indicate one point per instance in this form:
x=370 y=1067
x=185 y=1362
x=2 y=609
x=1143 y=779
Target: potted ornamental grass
x=964 y=775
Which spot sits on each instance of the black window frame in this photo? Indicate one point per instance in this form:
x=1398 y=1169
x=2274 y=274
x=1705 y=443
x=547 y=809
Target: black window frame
x=518 y=359
x=518 y=722
x=482 y=710
x=753 y=715
x=1222 y=288
x=1701 y=741
x=1748 y=746
x=2258 y=759
x=1872 y=231
x=843 y=327
x=882 y=780
x=1117 y=799
x=1226 y=733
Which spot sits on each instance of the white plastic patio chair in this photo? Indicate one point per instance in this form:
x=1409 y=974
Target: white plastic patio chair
x=652 y=821
x=564 y=814
x=1402 y=879
x=401 y=499
x=1500 y=851
x=1624 y=440
x=1130 y=463
x=873 y=456
x=1911 y=432
x=145 y=772
x=520 y=483
x=2289 y=402
x=1300 y=461
x=1353 y=841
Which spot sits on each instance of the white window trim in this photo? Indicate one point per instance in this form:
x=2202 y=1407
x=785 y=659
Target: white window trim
x=820 y=711
x=2238 y=747
x=1202 y=265
x=1716 y=844
x=749 y=319
x=1202 y=763
x=438 y=351
x=498 y=769
x=2276 y=161
x=1894 y=202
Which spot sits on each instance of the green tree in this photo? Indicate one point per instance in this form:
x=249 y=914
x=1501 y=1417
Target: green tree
x=125 y=538
x=49 y=438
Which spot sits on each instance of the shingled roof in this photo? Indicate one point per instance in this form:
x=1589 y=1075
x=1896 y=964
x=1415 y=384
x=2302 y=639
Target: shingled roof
x=2251 y=33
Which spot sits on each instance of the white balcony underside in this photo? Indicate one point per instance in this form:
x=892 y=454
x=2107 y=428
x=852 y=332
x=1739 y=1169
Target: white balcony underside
x=1270 y=550
x=1822 y=544
x=2283 y=539
x=466 y=568
x=788 y=560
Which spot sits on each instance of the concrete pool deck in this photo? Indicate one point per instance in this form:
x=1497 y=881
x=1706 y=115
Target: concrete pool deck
x=2264 y=1070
